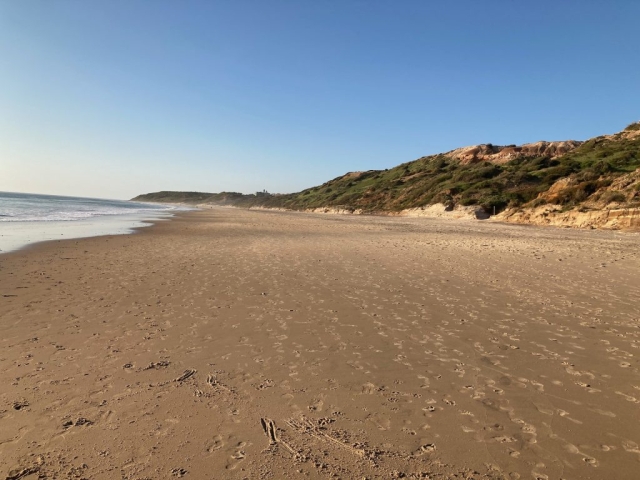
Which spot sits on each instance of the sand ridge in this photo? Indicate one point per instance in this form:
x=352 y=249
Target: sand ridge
x=255 y=344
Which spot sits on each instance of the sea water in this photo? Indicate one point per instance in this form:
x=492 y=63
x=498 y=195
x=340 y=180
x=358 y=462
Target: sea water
x=29 y=218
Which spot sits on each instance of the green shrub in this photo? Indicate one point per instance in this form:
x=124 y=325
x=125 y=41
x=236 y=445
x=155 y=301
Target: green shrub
x=522 y=176
x=499 y=202
x=466 y=201
x=613 y=196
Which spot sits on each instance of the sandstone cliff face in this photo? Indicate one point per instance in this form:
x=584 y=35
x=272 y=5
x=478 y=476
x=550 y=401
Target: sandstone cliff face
x=628 y=134
x=609 y=219
x=439 y=210
x=327 y=210
x=616 y=206
x=603 y=198
x=622 y=190
x=334 y=211
x=500 y=155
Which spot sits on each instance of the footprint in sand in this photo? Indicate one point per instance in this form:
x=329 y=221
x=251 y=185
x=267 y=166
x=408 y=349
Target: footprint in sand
x=546 y=411
x=368 y=388
x=576 y=451
x=425 y=381
x=425 y=449
x=586 y=386
x=316 y=405
x=237 y=456
x=628 y=398
x=539 y=476
x=379 y=421
x=504 y=439
x=630 y=446
x=216 y=444
x=538 y=386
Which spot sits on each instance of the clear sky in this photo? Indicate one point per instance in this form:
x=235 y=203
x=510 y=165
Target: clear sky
x=113 y=98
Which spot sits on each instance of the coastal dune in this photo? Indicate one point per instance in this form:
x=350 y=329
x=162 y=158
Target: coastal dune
x=233 y=343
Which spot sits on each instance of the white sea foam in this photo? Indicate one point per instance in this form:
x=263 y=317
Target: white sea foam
x=21 y=207
x=26 y=218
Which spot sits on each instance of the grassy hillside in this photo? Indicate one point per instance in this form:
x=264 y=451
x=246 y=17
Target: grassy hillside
x=523 y=181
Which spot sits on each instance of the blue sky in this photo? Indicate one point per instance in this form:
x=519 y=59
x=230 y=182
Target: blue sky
x=115 y=98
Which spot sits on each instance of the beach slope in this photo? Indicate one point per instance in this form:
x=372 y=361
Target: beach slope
x=233 y=343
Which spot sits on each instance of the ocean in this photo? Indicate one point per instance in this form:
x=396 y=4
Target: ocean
x=29 y=218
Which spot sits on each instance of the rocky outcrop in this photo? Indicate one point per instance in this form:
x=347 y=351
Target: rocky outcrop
x=335 y=210
x=613 y=206
x=329 y=210
x=437 y=210
x=503 y=154
x=554 y=215
x=440 y=210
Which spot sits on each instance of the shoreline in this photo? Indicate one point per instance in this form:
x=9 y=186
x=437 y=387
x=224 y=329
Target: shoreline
x=17 y=236
x=244 y=344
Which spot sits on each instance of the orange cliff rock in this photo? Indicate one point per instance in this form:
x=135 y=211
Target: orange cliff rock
x=503 y=154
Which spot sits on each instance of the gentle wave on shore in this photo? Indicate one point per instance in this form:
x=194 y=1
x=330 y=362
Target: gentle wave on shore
x=28 y=218
x=27 y=207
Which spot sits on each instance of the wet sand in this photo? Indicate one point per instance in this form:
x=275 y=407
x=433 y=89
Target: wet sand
x=20 y=234
x=255 y=344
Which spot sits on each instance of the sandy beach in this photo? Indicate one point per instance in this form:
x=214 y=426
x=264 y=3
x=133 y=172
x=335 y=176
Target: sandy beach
x=233 y=344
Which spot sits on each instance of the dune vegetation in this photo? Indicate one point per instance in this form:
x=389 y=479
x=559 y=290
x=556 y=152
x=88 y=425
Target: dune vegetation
x=585 y=175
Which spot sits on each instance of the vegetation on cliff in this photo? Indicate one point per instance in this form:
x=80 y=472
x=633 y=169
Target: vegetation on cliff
x=582 y=175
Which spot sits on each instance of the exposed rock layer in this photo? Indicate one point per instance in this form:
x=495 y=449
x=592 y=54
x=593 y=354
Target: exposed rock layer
x=503 y=154
x=595 y=184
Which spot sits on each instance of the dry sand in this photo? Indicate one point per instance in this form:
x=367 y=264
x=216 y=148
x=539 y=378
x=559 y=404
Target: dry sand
x=253 y=344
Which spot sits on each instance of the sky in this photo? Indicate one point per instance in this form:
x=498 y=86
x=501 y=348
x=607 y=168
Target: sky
x=115 y=98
